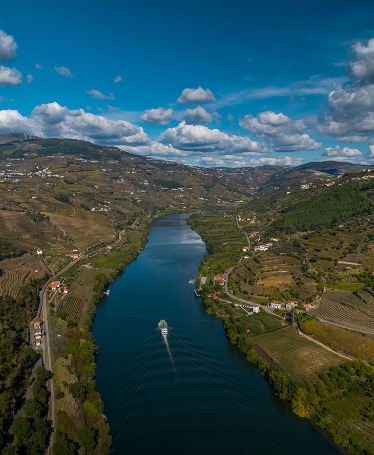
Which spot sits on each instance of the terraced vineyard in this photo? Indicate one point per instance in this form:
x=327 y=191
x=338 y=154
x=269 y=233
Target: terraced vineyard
x=266 y=276
x=346 y=308
x=80 y=294
x=287 y=348
x=18 y=271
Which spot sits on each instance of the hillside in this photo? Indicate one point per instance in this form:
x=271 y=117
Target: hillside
x=63 y=197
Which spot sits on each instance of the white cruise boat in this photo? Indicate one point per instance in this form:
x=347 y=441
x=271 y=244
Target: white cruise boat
x=163 y=327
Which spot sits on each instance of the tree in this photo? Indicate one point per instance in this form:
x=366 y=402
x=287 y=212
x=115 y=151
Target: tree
x=22 y=430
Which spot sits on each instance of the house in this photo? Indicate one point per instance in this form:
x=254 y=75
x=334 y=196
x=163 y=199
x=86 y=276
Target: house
x=261 y=247
x=55 y=285
x=74 y=255
x=256 y=309
x=215 y=297
x=36 y=323
x=245 y=249
x=219 y=279
x=276 y=305
x=291 y=304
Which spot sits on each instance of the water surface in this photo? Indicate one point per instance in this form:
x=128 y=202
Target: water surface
x=194 y=393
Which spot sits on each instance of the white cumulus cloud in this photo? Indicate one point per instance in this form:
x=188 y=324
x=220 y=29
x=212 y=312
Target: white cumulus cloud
x=63 y=71
x=9 y=76
x=279 y=131
x=53 y=120
x=8 y=47
x=342 y=152
x=197 y=116
x=350 y=111
x=283 y=161
x=198 y=95
x=362 y=67
x=159 y=116
x=200 y=139
x=118 y=79
x=100 y=96
x=221 y=161
x=12 y=120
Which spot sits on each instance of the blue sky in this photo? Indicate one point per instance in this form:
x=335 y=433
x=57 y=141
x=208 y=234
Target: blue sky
x=207 y=83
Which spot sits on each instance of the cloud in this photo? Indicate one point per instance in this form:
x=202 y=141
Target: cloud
x=29 y=78
x=341 y=152
x=8 y=47
x=200 y=139
x=197 y=116
x=63 y=71
x=53 y=120
x=362 y=67
x=12 y=120
x=160 y=116
x=9 y=76
x=281 y=133
x=350 y=111
x=198 y=95
x=284 y=161
x=370 y=153
x=312 y=86
x=160 y=151
x=222 y=161
x=100 y=96
x=118 y=79
x=38 y=66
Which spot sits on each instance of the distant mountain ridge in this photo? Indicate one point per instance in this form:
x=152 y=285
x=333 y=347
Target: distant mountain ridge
x=249 y=180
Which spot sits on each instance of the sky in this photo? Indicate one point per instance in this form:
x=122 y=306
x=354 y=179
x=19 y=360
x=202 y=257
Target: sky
x=225 y=83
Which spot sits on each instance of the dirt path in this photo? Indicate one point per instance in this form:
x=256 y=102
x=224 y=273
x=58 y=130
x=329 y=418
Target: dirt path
x=322 y=345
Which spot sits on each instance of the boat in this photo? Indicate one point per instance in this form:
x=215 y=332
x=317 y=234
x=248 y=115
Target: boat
x=163 y=327
x=107 y=292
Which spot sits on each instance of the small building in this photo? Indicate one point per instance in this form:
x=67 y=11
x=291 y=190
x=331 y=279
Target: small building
x=276 y=305
x=55 y=285
x=256 y=309
x=291 y=304
x=219 y=279
x=215 y=297
x=73 y=255
x=36 y=323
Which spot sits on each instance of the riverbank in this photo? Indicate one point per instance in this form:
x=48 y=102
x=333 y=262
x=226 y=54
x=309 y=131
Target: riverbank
x=319 y=384
x=80 y=410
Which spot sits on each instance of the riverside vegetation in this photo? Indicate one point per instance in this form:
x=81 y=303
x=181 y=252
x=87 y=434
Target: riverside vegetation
x=63 y=196
x=316 y=249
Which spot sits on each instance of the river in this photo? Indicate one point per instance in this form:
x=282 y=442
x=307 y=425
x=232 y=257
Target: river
x=194 y=394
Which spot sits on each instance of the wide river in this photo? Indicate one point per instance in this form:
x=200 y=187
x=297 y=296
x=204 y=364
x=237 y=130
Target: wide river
x=194 y=393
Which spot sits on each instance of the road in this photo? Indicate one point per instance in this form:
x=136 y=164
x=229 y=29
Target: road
x=48 y=363
x=43 y=311
x=246 y=302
